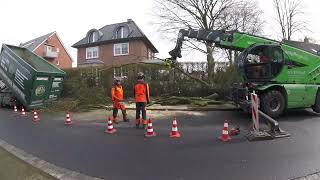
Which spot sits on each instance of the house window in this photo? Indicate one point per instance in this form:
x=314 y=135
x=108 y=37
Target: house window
x=92 y=52
x=49 y=48
x=150 y=54
x=93 y=37
x=122 y=32
x=121 y=49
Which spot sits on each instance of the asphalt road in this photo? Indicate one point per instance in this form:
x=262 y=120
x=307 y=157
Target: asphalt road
x=85 y=147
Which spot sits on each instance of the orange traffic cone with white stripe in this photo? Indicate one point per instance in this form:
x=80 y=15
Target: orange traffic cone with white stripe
x=150 y=132
x=225 y=132
x=23 y=112
x=68 y=119
x=174 y=131
x=110 y=129
x=36 y=117
x=15 y=109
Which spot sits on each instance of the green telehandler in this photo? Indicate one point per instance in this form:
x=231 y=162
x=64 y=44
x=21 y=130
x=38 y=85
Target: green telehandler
x=284 y=76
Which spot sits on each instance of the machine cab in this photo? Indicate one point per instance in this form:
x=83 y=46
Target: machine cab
x=261 y=63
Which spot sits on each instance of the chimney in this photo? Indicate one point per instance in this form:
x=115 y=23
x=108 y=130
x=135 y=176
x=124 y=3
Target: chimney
x=306 y=40
x=129 y=20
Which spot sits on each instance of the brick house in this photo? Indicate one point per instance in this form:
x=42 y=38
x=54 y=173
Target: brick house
x=305 y=45
x=51 y=48
x=114 y=44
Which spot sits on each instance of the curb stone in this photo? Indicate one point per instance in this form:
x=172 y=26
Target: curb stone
x=314 y=176
x=51 y=169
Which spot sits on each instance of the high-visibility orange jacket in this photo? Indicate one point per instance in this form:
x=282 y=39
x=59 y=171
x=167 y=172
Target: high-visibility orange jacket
x=117 y=93
x=141 y=92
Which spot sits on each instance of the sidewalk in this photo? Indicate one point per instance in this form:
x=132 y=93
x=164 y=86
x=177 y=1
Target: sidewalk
x=158 y=107
x=155 y=111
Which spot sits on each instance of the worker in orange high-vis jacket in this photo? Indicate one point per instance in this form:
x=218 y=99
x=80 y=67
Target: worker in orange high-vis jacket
x=142 y=98
x=117 y=99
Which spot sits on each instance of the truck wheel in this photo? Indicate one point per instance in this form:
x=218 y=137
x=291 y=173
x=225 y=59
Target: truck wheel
x=316 y=106
x=273 y=103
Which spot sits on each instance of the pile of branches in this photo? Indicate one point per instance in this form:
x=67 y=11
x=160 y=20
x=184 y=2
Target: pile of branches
x=194 y=101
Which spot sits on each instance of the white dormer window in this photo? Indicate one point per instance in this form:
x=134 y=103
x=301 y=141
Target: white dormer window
x=93 y=37
x=122 y=32
x=92 y=52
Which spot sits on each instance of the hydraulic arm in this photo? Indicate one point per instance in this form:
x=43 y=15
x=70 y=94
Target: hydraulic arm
x=224 y=39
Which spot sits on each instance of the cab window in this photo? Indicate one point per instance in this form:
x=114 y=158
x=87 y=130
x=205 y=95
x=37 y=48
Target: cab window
x=277 y=55
x=259 y=54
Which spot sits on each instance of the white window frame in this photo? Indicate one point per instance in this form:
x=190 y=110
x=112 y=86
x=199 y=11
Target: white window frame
x=49 y=48
x=92 y=49
x=115 y=46
x=94 y=35
x=120 y=32
x=150 y=54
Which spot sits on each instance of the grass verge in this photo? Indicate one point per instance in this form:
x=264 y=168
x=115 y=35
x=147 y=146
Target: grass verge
x=13 y=168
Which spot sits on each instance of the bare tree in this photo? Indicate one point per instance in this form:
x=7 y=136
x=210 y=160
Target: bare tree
x=290 y=17
x=194 y=14
x=245 y=17
x=204 y=14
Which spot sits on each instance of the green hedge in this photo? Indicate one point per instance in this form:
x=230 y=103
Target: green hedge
x=81 y=83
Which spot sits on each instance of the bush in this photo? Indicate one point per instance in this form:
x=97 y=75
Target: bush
x=90 y=87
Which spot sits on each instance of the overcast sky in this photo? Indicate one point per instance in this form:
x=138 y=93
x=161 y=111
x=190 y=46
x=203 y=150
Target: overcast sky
x=23 y=20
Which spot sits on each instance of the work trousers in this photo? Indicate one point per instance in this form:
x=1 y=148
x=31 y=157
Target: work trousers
x=117 y=105
x=141 y=109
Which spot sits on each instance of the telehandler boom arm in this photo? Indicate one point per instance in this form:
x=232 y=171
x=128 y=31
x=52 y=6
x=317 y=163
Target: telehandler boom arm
x=224 y=39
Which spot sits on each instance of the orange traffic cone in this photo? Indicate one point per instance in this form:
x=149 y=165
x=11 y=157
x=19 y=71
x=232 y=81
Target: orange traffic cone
x=110 y=129
x=15 y=109
x=225 y=133
x=35 y=116
x=23 y=113
x=68 y=119
x=174 y=132
x=150 y=132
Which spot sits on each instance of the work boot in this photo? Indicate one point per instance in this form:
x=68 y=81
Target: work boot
x=115 y=120
x=125 y=116
x=137 y=123
x=145 y=124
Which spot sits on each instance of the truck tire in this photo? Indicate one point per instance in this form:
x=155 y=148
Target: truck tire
x=273 y=103
x=316 y=106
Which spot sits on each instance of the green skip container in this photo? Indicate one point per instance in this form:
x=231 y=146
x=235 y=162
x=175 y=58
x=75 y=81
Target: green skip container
x=34 y=82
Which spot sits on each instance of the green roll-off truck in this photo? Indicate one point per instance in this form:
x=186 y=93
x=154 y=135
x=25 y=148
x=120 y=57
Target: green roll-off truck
x=27 y=79
x=284 y=76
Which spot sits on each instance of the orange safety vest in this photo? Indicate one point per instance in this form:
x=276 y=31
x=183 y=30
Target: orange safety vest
x=141 y=92
x=117 y=93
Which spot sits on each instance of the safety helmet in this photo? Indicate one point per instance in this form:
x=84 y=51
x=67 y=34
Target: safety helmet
x=140 y=75
x=116 y=79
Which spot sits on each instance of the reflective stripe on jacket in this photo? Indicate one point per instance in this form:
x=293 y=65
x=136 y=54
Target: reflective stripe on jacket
x=141 y=92
x=117 y=93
